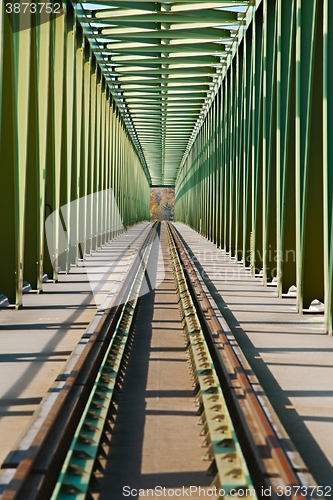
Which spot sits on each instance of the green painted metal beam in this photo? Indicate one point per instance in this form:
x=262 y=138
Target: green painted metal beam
x=209 y=16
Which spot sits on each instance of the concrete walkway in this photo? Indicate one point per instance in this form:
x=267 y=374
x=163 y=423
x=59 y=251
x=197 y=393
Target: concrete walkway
x=37 y=340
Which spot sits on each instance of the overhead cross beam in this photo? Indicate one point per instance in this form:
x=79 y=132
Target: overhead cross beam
x=162 y=62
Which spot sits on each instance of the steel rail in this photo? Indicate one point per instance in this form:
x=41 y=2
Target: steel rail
x=36 y=474
x=290 y=470
x=228 y=462
x=245 y=441
x=75 y=476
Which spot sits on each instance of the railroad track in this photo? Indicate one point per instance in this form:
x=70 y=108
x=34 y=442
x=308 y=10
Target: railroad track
x=276 y=468
x=248 y=451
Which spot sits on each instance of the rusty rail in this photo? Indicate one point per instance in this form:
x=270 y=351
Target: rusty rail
x=274 y=461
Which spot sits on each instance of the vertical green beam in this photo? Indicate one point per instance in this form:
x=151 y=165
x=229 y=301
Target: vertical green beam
x=93 y=162
x=122 y=172
x=98 y=152
x=226 y=139
x=202 y=179
x=309 y=157
x=247 y=143
x=63 y=177
x=191 y=217
x=83 y=185
x=285 y=147
x=269 y=141
x=67 y=138
x=221 y=166
x=8 y=248
x=232 y=158
x=33 y=216
x=43 y=55
x=129 y=164
x=217 y=126
x=50 y=207
x=257 y=131
x=68 y=121
x=239 y=109
x=22 y=45
x=126 y=190
x=206 y=175
x=98 y=105
x=116 y=159
x=188 y=217
x=198 y=183
x=118 y=169
x=54 y=140
x=2 y=16
x=58 y=94
x=328 y=162
x=209 y=172
x=130 y=161
x=10 y=274
x=102 y=163
x=89 y=68
x=111 y=162
x=107 y=164
x=214 y=172
x=76 y=250
x=199 y=176
x=194 y=216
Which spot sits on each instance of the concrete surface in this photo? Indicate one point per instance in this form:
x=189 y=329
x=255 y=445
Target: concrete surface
x=37 y=340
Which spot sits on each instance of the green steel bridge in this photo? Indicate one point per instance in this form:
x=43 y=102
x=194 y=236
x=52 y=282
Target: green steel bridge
x=145 y=327
x=229 y=101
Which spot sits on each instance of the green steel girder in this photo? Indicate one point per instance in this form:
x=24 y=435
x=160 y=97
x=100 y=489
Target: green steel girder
x=169 y=93
x=286 y=269
x=169 y=72
x=149 y=48
x=62 y=137
x=234 y=106
x=328 y=162
x=257 y=178
x=195 y=61
x=309 y=112
x=213 y=34
x=190 y=81
x=202 y=17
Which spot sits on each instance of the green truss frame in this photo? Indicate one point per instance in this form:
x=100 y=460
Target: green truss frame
x=62 y=137
x=258 y=180
x=227 y=100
